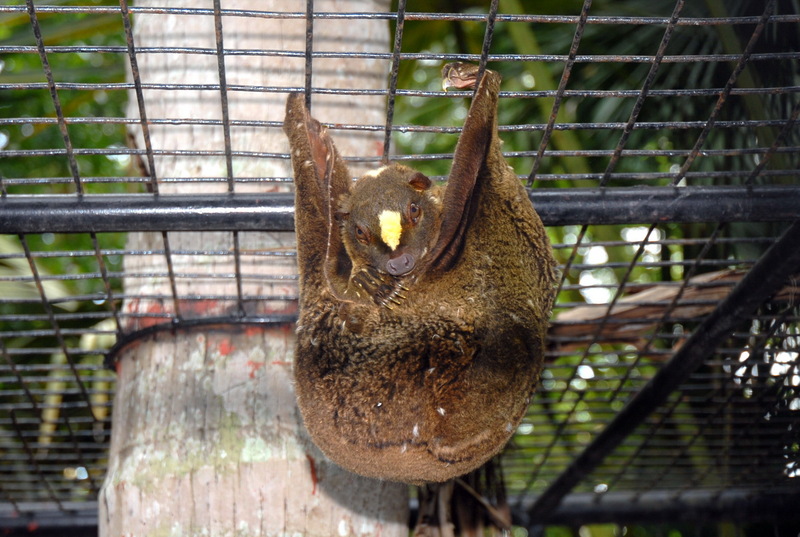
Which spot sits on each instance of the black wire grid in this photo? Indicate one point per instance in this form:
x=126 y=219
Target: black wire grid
x=671 y=387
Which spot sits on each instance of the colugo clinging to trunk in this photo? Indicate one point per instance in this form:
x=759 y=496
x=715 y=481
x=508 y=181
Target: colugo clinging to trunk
x=423 y=310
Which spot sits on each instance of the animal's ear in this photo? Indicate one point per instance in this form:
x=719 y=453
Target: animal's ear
x=321 y=179
x=419 y=182
x=461 y=192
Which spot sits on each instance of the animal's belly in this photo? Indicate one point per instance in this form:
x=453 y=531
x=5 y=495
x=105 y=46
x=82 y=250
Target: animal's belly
x=424 y=404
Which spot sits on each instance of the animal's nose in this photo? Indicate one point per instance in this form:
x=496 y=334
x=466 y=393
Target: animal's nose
x=402 y=264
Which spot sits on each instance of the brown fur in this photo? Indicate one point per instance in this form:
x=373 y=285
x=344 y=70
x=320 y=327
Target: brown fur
x=424 y=376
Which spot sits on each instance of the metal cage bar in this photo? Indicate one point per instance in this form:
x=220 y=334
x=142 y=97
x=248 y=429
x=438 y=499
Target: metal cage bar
x=275 y=212
x=648 y=393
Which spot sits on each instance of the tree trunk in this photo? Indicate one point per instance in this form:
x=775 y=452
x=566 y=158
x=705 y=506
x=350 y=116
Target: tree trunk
x=207 y=439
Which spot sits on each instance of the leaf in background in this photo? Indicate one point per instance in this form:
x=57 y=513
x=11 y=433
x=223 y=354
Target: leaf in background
x=16 y=279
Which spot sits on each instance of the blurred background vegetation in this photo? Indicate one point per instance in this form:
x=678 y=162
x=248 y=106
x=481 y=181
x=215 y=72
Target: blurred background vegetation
x=598 y=285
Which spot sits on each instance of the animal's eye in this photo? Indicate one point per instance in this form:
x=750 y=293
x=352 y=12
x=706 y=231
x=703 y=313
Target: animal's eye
x=362 y=235
x=414 y=213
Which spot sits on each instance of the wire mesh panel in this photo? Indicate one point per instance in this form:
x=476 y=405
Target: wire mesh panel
x=726 y=427
x=660 y=144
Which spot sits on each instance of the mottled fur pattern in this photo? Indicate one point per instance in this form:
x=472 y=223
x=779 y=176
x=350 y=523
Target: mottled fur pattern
x=433 y=386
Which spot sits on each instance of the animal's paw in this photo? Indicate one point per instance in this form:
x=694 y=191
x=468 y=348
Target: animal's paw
x=459 y=75
x=384 y=289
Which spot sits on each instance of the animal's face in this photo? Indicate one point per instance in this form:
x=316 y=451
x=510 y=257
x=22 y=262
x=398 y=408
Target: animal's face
x=391 y=219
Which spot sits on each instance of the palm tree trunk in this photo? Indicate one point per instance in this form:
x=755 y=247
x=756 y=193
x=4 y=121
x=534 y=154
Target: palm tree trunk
x=206 y=436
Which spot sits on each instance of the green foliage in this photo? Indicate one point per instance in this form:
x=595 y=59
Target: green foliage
x=47 y=174
x=81 y=66
x=75 y=271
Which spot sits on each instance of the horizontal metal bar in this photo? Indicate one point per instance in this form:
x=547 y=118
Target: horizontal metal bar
x=417 y=16
x=530 y=94
x=141 y=212
x=47 y=515
x=527 y=127
x=643 y=178
x=692 y=506
x=551 y=58
x=636 y=205
x=695 y=506
x=591 y=153
x=275 y=212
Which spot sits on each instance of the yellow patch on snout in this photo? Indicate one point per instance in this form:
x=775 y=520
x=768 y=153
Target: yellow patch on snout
x=391 y=228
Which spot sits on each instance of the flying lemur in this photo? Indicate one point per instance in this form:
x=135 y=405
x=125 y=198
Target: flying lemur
x=423 y=310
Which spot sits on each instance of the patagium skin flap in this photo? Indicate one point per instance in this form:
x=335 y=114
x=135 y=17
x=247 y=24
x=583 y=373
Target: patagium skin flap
x=423 y=310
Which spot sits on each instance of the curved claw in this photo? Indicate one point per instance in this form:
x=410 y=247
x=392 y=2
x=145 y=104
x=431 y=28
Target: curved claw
x=384 y=289
x=459 y=76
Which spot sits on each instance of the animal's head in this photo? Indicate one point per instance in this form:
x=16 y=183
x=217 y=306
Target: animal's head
x=391 y=219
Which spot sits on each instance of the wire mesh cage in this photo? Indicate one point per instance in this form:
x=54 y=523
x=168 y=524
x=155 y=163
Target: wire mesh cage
x=659 y=143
